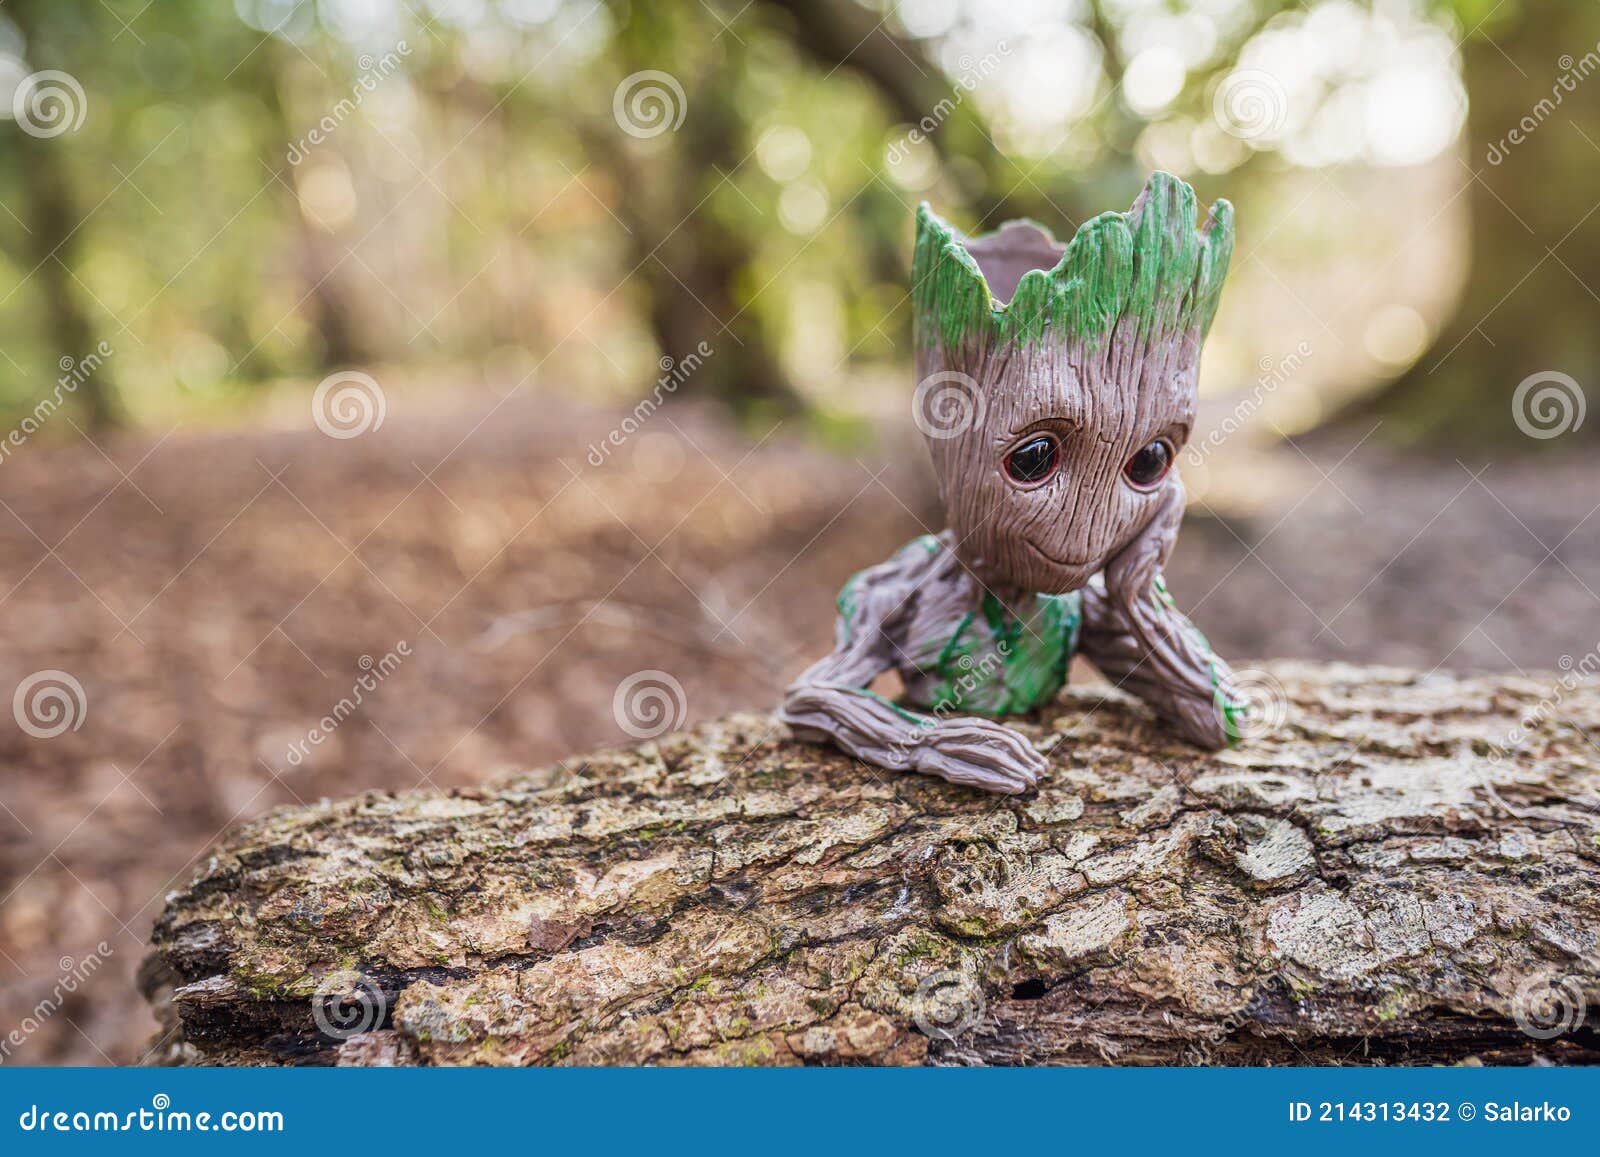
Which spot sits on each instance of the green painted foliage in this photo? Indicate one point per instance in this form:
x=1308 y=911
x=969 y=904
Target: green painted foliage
x=1154 y=264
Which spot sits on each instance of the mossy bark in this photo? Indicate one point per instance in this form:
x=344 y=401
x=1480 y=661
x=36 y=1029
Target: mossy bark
x=1366 y=885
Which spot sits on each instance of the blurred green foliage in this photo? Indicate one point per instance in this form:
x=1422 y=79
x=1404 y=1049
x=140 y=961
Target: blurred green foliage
x=470 y=196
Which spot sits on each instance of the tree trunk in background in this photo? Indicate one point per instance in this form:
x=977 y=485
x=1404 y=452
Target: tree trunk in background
x=698 y=269
x=317 y=264
x=843 y=34
x=704 y=277
x=1364 y=885
x=52 y=241
x=1535 y=236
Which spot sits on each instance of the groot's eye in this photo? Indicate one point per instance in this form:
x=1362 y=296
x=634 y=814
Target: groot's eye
x=1150 y=465
x=1034 y=460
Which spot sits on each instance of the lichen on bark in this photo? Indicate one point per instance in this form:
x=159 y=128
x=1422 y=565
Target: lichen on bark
x=1369 y=883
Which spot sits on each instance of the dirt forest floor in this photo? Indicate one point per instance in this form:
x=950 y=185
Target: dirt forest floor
x=216 y=595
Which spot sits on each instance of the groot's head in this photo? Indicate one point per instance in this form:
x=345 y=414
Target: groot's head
x=1057 y=382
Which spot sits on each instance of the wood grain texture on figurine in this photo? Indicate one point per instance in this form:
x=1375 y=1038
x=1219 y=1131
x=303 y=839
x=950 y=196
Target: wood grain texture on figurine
x=1057 y=384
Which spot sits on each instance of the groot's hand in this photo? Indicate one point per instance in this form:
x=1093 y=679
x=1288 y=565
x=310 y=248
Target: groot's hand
x=832 y=700
x=1141 y=641
x=1132 y=573
x=979 y=753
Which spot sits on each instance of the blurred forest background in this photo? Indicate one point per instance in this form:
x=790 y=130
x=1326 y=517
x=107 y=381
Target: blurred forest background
x=472 y=211
x=325 y=325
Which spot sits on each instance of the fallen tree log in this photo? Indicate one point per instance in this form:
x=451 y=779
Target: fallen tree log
x=1372 y=883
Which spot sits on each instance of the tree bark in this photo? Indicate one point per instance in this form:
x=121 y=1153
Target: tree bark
x=1366 y=885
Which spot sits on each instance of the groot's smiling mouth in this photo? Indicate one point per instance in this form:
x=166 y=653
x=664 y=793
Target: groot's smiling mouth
x=1074 y=563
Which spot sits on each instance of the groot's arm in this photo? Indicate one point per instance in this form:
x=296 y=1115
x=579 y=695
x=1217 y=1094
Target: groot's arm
x=1140 y=641
x=830 y=701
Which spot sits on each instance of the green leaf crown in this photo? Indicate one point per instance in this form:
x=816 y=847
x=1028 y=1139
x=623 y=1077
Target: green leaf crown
x=1154 y=264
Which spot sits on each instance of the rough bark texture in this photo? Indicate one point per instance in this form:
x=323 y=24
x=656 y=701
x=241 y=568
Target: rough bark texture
x=1368 y=884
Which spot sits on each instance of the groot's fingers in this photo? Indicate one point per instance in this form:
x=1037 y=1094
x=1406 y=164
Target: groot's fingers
x=980 y=753
x=1133 y=571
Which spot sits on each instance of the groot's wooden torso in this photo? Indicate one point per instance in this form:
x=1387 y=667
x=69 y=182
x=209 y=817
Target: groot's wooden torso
x=961 y=648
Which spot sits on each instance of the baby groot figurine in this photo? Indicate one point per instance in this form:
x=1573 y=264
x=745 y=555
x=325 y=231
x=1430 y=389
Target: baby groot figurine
x=1058 y=383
